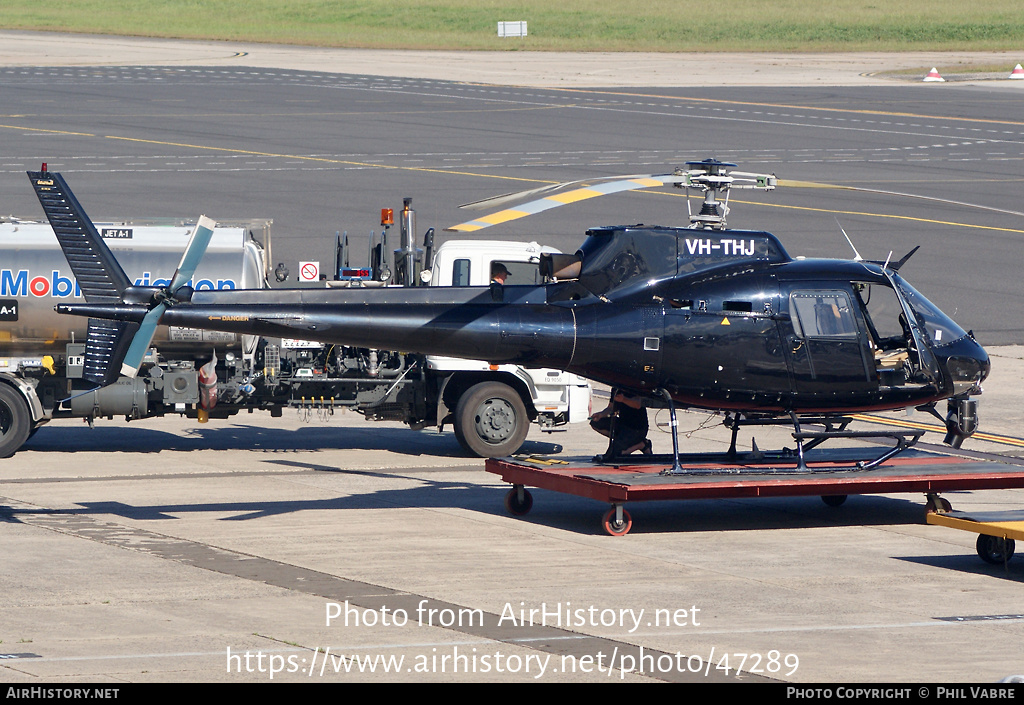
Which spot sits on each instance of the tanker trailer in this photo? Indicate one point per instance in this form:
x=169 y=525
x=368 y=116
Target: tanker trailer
x=204 y=374
x=41 y=350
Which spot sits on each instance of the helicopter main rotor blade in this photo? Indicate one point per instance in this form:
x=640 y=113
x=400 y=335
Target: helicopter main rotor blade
x=554 y=201
x=843 y=187
x=494 y=201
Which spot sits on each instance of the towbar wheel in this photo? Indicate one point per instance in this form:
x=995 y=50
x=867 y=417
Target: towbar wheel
x=995 y=549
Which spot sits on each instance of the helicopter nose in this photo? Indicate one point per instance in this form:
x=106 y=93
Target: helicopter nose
x=967 y=365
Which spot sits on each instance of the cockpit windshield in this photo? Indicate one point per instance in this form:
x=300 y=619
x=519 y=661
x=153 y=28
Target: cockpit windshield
x=940 y=328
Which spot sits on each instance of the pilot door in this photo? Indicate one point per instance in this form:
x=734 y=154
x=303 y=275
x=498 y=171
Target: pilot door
x=826 y=342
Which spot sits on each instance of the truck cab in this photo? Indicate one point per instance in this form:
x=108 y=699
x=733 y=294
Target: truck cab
x=478 y=396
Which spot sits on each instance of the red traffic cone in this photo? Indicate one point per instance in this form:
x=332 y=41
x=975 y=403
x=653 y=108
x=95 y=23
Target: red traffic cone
x=933 y=75
x=1018 y=72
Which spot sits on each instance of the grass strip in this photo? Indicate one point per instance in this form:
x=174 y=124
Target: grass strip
x=576 y=25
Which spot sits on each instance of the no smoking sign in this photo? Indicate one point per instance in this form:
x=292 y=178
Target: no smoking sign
x=309 y=271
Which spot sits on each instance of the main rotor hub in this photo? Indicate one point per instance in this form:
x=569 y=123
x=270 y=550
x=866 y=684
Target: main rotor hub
x=712 y=177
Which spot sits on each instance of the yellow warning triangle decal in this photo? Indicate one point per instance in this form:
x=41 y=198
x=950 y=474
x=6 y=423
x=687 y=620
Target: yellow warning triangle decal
x=725 y=321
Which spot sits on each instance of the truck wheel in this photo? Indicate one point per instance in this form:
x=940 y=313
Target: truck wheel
x=491 y=420
x=15 y=422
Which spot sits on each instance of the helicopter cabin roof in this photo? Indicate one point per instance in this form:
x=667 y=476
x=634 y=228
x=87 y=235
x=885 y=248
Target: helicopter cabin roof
x=626 y=258
x=823 y=269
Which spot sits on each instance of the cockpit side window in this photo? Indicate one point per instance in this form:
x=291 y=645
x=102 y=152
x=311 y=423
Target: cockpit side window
x=884 y=315
x=822 y=314
x=896 y=353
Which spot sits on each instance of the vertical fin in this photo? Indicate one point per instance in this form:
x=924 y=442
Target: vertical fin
x=105 y=348
x=112 y=347
x=99 y=275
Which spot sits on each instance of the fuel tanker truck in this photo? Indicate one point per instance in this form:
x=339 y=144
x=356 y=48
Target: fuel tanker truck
x=204 y=374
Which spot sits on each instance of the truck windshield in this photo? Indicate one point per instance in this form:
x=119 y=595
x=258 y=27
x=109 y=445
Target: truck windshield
x=522 y=272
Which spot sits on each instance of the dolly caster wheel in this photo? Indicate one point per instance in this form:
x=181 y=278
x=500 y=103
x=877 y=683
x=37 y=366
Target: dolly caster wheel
x=617 y=528
x=516 y=504
x=938 y=505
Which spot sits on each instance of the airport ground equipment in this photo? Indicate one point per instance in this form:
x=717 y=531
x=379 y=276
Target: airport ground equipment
x=831 y=474
x=204 y=374
x=997 y=531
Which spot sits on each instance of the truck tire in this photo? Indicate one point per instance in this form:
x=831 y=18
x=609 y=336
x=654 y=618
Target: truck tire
x=15 y=421
x=491 y=420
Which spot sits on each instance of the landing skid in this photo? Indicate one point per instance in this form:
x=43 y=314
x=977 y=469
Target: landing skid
x=835 y=427
x=734 y=462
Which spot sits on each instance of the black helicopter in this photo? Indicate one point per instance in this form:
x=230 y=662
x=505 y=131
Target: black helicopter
x=699 y=316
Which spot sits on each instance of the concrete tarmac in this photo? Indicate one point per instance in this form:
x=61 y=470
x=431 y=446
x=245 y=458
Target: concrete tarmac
x=243 y=550
x=330 y=549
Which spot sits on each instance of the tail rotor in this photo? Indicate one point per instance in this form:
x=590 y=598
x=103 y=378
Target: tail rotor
x=165 y=297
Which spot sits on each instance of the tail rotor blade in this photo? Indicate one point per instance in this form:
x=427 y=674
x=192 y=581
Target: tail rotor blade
x=140 y=343
x=193 y=254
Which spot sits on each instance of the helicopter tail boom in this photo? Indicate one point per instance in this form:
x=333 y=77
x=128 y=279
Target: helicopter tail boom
x=468 y=325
